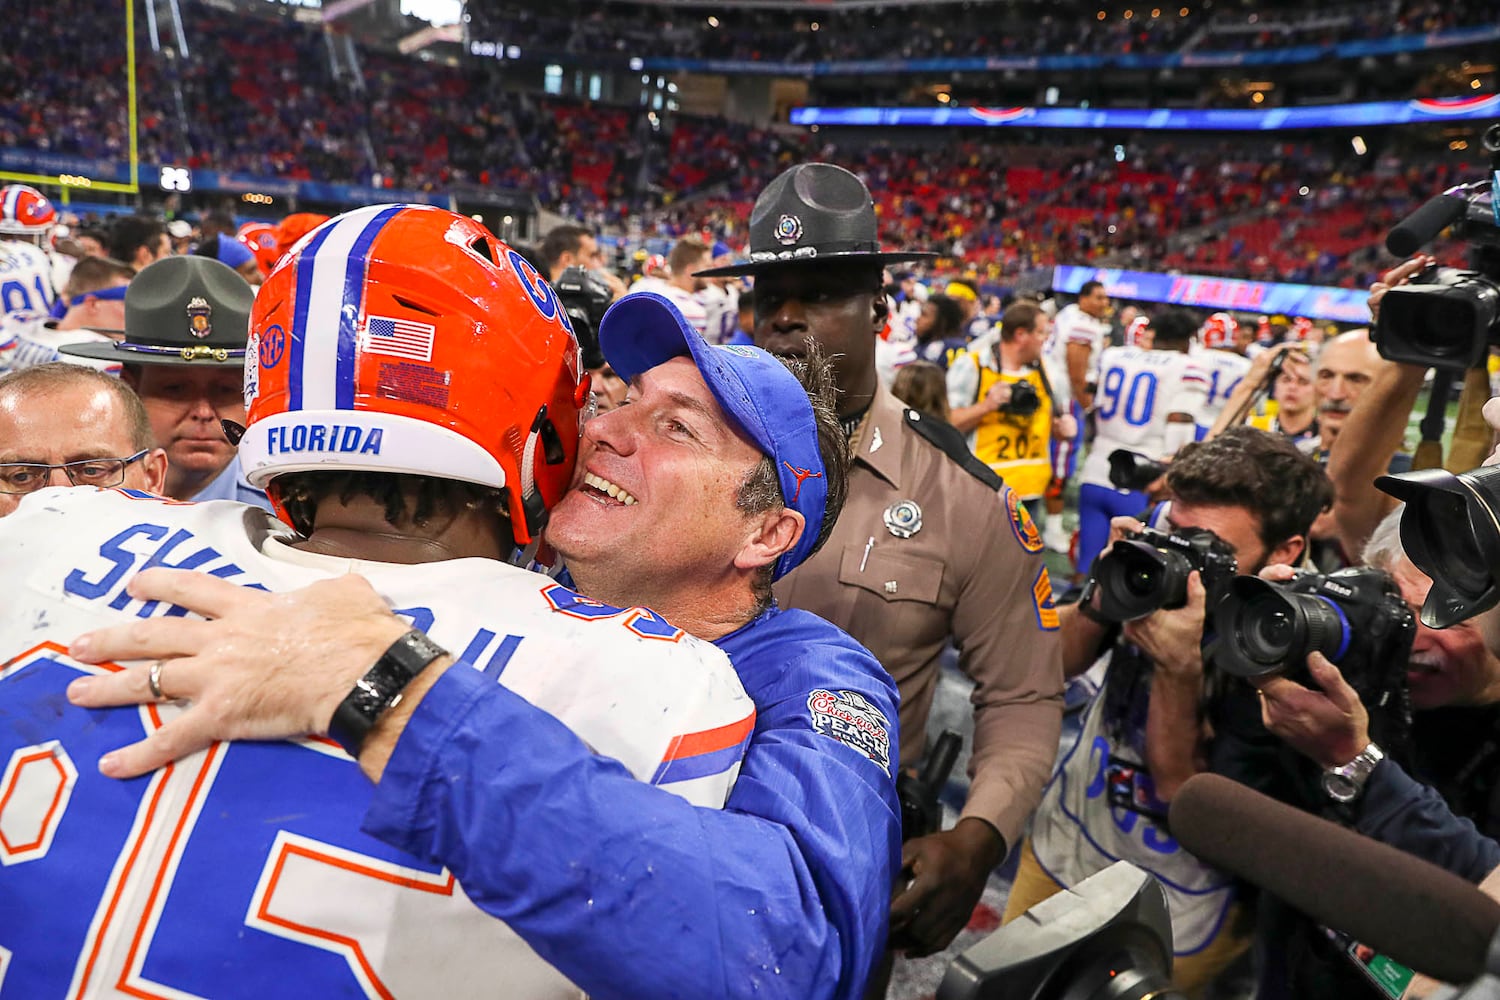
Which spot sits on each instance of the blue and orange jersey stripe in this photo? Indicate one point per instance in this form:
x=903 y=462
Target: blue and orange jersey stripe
x=712 y=751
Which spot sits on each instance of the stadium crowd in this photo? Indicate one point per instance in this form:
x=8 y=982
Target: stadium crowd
x=259 y=97
x=1262 y=435
x=998 y=29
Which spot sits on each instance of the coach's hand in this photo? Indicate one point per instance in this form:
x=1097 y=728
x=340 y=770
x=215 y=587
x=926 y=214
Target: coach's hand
x=949 y=872
x=266 y=666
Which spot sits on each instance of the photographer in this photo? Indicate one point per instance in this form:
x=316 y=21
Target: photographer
x=1010 y=428
x=1453 y=678
x=1247 y=497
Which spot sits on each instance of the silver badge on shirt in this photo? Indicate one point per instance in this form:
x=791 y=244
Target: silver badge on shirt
x=903 y=518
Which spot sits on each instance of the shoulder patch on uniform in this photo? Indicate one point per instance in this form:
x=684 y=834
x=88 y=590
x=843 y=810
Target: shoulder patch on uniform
x=1021 y=522
x=1041 y=600
x=849 y=718
x=951 y=443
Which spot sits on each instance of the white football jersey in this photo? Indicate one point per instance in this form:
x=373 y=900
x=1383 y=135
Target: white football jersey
x=1087 y=821
x=241 y=870
x=1072 y=326
x=28 y=339
x=721 y=308
x=1137 y=391
x=25 y=278
x=1224 y=370
x=687 y=303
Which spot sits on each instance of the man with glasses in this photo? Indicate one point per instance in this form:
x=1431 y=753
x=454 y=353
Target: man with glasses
x=62 y=424
x=186 y=323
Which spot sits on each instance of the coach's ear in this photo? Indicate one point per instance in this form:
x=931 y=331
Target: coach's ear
x=880 y=311
x=769 y=534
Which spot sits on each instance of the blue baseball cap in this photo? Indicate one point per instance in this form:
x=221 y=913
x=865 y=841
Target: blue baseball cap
x=755 y=390
x=225 y=249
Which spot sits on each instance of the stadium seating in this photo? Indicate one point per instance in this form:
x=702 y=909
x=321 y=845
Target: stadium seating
x=259 y=96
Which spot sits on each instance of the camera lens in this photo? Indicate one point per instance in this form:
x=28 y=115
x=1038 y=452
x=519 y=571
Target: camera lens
x=1444 y=518
x=1136 y=578
x=1269 y=636
x=1265 y=629
x=1141 y=582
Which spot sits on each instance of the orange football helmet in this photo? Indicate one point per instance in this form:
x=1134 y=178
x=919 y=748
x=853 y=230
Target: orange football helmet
x=260 y=239
x=1219 y=330
x=408 y=339
x=25 y=211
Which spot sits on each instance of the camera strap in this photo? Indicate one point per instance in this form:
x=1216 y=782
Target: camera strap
x=1041 y=373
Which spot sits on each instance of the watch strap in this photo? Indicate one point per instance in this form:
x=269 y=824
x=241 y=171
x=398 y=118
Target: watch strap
x=1357 y=771
x=380 y=689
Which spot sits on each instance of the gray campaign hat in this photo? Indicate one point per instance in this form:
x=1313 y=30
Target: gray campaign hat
x=812 y=214
x=181 y=311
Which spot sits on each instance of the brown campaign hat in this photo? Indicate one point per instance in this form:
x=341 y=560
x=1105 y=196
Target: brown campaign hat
x=181 y=311
x=811 y=214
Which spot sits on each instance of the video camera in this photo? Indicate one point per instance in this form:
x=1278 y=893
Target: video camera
x=1148 y=570
x=1107 y=938
x=1356 y=617
x=1447 y=317
x=584 y=298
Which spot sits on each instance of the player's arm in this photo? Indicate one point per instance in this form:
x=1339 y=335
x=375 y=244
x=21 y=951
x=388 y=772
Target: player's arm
x=1078 y=372
x=629 y=890
x=1371 y=434
x=1187 y=400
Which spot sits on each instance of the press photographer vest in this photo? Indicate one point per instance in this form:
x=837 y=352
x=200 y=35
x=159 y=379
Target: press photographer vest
x=1016 y=448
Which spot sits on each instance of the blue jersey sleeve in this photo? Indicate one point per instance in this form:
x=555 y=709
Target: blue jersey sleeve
x=631 y=891
x=1400 y=811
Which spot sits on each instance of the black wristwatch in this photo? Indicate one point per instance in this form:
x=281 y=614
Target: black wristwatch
x=379 y=690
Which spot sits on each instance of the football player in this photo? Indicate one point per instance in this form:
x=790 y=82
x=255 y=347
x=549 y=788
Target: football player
x=26 y=220
x=1079 y=332
x=414 y=411
x=1146 y=403
x=1219 y=354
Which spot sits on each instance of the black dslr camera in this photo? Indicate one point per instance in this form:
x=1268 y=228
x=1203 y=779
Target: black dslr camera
x=1024 y=400
x=585 y=298
x=1129 y=470
x=1148 y=570
x=1356 y=617
x=1447 y=317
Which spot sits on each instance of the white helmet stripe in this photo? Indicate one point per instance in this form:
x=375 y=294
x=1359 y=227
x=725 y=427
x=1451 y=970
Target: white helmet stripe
x=12 y=195
x=330 y=328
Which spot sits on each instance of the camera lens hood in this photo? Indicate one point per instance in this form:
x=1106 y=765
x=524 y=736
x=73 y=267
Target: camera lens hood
x=1451 y=531
x=1136 y=578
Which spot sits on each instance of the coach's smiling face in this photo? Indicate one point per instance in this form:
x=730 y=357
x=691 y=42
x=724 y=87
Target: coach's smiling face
x=653 y=517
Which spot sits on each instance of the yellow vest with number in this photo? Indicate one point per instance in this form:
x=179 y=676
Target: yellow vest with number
x=1016 y=447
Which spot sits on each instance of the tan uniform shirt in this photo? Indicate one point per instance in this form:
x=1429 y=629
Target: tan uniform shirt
x=973 y=570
